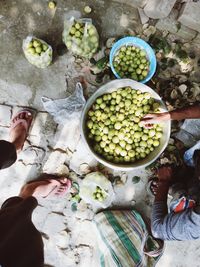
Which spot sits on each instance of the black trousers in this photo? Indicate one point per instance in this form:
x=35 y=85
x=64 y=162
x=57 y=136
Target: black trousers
x=20 y=242
x=8 y=154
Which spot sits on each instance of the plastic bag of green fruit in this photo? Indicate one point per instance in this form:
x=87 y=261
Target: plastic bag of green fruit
x=97 y=190
x=37 y=52
x=81 y=37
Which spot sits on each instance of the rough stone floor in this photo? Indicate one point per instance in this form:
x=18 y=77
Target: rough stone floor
x=68 y=235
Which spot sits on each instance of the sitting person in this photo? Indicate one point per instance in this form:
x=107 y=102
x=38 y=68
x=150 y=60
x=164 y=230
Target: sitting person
x=21 y=243
x=183 y=220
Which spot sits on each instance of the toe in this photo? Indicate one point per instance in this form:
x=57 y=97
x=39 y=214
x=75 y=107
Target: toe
x=63 y=180
x=54 y=182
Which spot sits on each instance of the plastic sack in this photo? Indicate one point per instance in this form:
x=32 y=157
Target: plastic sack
x=66 y=109
x=189 y=133
x=188 y=155
x=89 y=185
x=81 y=37
x=37 y=52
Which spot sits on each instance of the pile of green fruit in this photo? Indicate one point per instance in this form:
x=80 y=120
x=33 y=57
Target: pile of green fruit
x=37 y=52
x=99 y=194
x=82 y=39
x=131 y=62
x=36 y=47
x=115 y=130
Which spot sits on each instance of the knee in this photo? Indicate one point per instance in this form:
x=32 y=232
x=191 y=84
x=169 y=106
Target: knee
x=155 y=231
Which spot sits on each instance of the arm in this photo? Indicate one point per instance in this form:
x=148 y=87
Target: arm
x=191 y=112
x=183 y=225
x=160 y=211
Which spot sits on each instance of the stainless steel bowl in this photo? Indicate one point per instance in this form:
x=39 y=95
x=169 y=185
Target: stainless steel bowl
x=108 y=88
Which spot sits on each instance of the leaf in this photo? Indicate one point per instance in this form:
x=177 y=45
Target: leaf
x=102 y=63
x=75 y=187
x=74 y=207
x=178 y=26
x=182 y=54
x=171 y=62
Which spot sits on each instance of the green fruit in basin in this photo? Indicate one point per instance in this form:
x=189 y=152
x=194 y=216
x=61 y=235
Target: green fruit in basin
x=114 y=126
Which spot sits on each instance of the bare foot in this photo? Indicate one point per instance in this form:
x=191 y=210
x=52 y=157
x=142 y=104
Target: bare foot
x=19 y=129
x=46 y=188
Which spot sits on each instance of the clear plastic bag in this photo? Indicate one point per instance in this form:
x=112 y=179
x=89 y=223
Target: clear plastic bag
x=63 y=110
x=37 y=51
x=188 y=155
x=189 y=133
x=89 y=185
x=81 y=37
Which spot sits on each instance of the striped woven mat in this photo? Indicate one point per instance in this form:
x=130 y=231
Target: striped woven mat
x=124 y=240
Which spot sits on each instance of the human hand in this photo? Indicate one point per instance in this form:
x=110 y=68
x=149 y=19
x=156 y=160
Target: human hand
x=149 y=119
x=164 y=174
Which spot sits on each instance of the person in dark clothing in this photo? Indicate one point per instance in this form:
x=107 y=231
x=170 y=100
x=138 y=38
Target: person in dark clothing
x=20 y=242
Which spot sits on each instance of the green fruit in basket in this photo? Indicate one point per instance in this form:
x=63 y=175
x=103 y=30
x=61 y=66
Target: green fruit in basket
x=69 y=44
x=99 y=194
x=131 y=62
x=78 y=41
x=38 y=49
x=73 y=30
x=36 y=43
x=92 y=31
x=30 y=45
x=81 y=30
x=94 y=39
x=44 y=47
x=78 y=34
x=77 y=26
x=31 y=51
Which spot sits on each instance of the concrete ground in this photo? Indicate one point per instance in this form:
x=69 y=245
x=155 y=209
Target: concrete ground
x=68 y=236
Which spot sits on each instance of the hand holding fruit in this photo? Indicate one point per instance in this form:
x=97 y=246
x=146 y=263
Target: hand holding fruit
x=149 y=119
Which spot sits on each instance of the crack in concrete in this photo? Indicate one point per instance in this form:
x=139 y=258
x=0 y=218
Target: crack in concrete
x=30 y=164
x=57 y=150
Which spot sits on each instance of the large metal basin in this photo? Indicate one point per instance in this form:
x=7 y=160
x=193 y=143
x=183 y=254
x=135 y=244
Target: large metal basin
x=110 y=87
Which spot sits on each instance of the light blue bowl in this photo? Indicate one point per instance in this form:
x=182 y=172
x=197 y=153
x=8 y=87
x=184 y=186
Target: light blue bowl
x=139 y=43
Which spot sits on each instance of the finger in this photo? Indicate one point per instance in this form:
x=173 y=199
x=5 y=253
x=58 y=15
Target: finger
x=146 y=125
x=147 y=117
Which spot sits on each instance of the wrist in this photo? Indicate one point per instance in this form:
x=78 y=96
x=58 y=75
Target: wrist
x=168 y=115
